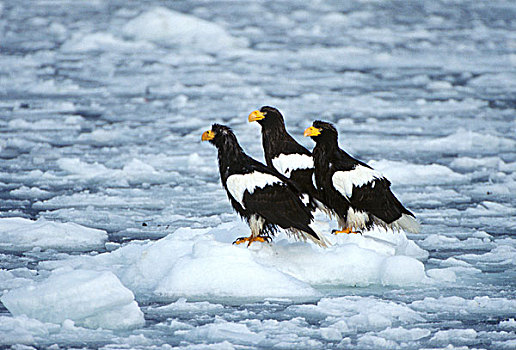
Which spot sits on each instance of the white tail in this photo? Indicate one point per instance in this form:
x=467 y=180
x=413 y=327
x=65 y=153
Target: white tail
x=407 y=223
x=323 y=242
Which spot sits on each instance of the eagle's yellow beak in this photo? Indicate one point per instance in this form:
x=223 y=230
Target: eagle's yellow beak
x=312 y=131
x=256 y=115
x=207 y=135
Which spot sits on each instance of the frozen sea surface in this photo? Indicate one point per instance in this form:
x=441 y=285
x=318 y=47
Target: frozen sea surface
x=114 y=229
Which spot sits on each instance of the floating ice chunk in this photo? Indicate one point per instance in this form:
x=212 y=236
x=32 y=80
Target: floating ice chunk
x=293 y=333
x=402 y=270
x=181 y=306
x=379 y=240
x=168 y=27
x=23 y=330
x=230 y=331
x=416 y=174
x=438 y=241
x=15 y=278
x=403 y=334
x=507 y=344
x=354 y=313
x=221 y=270
x=465 y=140
x=331 y=333
x=452 y=262
x=30 y=193
x=370 y=341
x=509 y=324
x=462 y=141
x=141 y=266
x=120 y=317
x=202 y=263
x=19 y=234
x=470 y=164
x=352 y=260
x=502 y=254
x=487 y=208
x=134 y=172
x=505 y=80
x=147 y=265
x=346 y=264
x=102 y=41
x=445 y=275
x=86 y=199
x=455 y=304
x=89 y=298
x=439 y=85
x=104 y=137
x=43 y=124
x=76 y=166
x=61 y=87
x=59 y=30
x=137 y=167
x=454 y=336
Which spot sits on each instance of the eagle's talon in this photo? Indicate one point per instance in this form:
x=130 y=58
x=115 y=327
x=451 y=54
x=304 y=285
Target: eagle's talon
x=267 y=238
x=241 y=240
x=263 y=239
x=346 y=230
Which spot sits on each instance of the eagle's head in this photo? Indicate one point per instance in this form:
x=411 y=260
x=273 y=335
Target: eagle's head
x=267 y=117
x=219 y=135
x=320 y=131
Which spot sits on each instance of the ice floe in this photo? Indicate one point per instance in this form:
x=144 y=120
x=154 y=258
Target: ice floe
x=169 y=27
x=23 y=330
x=133 y=172
x=19 y=234
x=400 y=173
x=89 y=298
x=202 y=263
x=477 y=305
x=102 y=41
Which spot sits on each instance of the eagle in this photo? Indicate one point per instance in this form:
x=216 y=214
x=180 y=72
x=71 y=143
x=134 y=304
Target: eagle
x=357 y=194
x=263 y=197
x=283 y=153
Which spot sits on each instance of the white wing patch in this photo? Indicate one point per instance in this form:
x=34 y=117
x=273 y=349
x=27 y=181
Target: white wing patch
x=285 y=163
x=238 y=184
x=343 y=181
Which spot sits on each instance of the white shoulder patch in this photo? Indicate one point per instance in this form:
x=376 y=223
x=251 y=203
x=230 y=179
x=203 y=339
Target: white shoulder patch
x=285 y=163
x=343 y=181
x=238 y=184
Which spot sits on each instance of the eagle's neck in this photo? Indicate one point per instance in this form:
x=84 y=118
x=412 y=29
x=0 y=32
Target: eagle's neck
x=324 y=151
x=273 y=138
x=231 y=157
x=321 y=153
x=327 y=151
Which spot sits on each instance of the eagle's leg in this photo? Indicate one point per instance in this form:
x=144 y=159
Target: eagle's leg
x=346 y=230
x=256 y=224
x=252 y=239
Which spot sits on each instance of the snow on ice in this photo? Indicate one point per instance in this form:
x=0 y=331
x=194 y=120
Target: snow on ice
x=202 y=263
x=168 y=27
x=89 y=298
x=18 y=234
